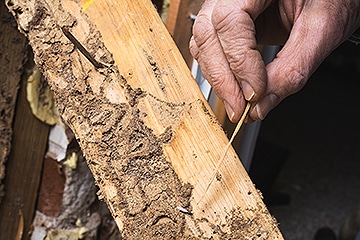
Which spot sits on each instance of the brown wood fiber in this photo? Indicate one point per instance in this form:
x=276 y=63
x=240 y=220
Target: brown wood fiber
x=147 y=133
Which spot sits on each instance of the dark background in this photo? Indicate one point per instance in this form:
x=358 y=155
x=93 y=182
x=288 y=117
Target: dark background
x=312 y=140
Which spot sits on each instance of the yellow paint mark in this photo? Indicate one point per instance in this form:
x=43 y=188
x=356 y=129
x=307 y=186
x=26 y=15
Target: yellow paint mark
x=87 y=4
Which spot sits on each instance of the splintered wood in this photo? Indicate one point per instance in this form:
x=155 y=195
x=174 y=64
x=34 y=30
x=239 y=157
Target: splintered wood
x=149 y=136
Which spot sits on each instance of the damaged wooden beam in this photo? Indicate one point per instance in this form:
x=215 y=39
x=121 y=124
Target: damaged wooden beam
x=149 y=136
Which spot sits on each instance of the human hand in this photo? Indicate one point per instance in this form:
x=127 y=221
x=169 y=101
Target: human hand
x=225 y=38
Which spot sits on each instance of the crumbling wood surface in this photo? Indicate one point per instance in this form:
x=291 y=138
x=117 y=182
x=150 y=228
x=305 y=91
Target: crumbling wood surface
x=148 y=135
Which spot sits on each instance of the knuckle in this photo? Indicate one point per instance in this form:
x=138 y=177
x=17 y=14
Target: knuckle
x=193 y=49
x=219 y=81
x=215 y=79
x=224 y=18
x=295 y=81
x=202 y=31
x=237 y=61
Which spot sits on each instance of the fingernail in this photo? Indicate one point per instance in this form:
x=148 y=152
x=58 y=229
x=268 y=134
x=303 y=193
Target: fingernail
x=266 y=104
x=229 y=111
x=247 y=90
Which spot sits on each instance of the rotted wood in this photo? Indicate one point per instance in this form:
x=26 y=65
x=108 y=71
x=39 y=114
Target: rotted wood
x=149 y=136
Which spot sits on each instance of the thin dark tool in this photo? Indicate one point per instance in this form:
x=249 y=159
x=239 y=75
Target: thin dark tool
x=81 y=48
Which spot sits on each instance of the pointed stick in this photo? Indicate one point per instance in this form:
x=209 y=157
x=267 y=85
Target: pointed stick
x=222 y=157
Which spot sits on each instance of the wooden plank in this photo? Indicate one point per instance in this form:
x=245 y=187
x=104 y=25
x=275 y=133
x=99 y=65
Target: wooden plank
x=179 y=24
x=12 y=55
x=173 y=15
x=23 y=169
x=23 y=138
x=158 y=4
x=145 y=129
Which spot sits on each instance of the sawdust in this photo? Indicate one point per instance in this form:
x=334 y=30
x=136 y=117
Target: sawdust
x=242 y=227
x=148 y=189
x=168 y=114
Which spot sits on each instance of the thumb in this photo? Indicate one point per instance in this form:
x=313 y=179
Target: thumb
x=309 y=43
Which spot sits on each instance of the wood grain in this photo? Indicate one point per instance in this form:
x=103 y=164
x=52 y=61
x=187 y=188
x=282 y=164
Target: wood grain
x=148 y=134
x=23 y=169
x=19 y=148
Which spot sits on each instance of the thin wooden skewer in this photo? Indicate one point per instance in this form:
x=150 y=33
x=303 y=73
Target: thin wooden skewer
x=222 y=157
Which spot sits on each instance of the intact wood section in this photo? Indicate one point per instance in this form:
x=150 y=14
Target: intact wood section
x=179 y=24
x=23 y=170
x=23 y=138
x=148 y=134
x=12 y=55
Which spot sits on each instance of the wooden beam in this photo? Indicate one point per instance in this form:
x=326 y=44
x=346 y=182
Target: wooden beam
x=23 y=137
x=147 y=133
x=179 y=23
x=23 y=170
x=12 y=56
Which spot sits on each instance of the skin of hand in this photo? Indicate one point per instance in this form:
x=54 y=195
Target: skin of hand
x=226 y=34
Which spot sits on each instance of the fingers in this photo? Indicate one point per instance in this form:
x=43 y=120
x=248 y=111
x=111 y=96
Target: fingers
x=224 y=45
x=207 y=50
x=299 y=58
x=235 y=29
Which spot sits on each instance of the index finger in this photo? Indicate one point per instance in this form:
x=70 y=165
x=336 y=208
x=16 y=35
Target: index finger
x=234 y=24
x=207 y=50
